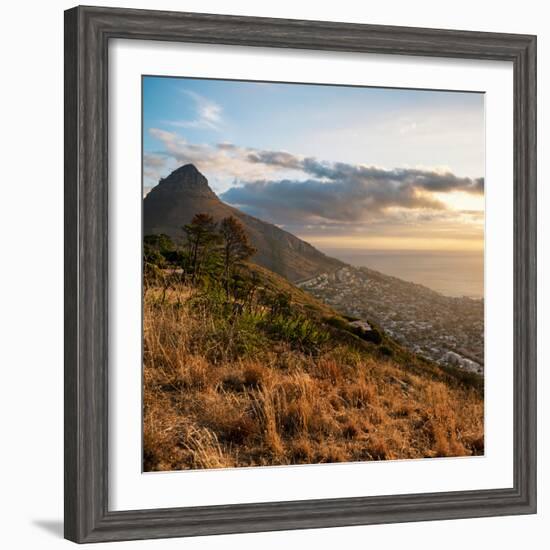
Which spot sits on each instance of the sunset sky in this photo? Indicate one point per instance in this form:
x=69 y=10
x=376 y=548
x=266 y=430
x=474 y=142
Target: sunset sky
x=350 y=167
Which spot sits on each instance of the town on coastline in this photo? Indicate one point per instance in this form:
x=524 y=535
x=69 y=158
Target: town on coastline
x=446 y=330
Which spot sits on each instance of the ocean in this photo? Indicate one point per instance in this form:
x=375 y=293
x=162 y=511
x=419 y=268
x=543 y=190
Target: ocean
x=449 y=273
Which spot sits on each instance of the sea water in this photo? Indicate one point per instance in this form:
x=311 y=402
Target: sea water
x=450 y=273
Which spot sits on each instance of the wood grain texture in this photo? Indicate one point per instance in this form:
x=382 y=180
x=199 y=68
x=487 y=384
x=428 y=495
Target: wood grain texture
x=87 y=34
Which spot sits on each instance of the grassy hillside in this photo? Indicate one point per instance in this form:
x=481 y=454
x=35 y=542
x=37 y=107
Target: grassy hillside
x=269 y=376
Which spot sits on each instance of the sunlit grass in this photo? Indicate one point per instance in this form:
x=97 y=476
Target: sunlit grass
x=225 y=391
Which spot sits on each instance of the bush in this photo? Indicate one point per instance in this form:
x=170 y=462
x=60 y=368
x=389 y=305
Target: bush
x=385 y=350
x=373 y=336
x=297 y=330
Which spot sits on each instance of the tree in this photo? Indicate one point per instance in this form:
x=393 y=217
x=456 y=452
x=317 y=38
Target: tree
x=201 y=238
x=159 y=251
x=156 y=248
x=235 y=247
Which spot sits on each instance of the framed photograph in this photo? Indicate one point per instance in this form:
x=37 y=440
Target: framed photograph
x=300 y=274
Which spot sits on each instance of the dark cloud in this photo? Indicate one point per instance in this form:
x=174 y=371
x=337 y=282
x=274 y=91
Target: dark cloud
x=226 y=146
x=344 y=200
x=281 y=159
x=428 y=180
x=340 y=191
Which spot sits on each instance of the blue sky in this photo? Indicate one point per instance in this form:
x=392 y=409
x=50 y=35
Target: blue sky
x=405 y=158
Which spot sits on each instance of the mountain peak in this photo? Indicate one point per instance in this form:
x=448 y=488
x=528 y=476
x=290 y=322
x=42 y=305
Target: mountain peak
x=187 y=169
x=185 y=192
x=188 y=179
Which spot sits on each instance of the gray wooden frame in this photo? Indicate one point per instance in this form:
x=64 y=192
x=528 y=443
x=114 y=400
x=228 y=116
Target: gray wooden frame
x=87 y=34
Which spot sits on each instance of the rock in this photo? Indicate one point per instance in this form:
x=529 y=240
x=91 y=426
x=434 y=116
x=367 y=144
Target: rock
x=363 y=325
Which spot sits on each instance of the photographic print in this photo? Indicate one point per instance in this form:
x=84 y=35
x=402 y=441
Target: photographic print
x=313 y=260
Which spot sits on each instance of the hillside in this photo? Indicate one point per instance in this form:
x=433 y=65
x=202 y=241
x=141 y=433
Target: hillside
x=178 y=197
x=269 y=375
x=447 y=330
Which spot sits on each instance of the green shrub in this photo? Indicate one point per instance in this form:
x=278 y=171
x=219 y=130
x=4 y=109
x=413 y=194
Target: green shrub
x=297 y=330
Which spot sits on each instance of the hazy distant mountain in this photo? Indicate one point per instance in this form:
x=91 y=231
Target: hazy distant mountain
x=185 y=192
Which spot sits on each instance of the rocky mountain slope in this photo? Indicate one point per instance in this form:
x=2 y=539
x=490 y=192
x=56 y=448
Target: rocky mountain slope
x=185 y=192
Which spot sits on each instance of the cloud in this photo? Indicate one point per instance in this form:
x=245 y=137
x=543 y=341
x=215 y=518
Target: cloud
x=313 y=200
x=428 y=180
x=154 y=165
x=343 y=192
x=154 y=160
x=226 y=146
x=222 y=163
x=289 y=189
x=276 y=158
x=209 y=113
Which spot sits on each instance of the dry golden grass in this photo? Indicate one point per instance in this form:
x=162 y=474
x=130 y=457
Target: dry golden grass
x=212 y=402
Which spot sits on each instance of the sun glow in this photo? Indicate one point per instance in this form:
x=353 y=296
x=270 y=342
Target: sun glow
x=435 y=242
x=459 y=200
